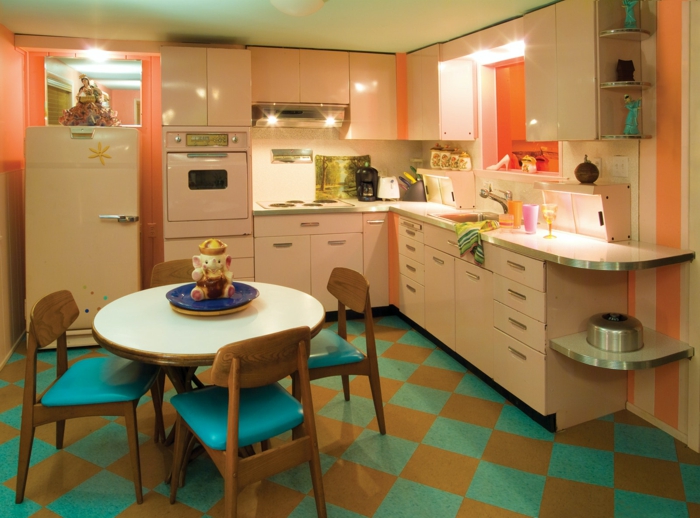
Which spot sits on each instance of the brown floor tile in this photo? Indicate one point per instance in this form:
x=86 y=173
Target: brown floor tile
x=156 y=460
x=388 y=334
x=334 y=437
x=76 y=429
x=592 y=434
x=407 y=353
x=693 y=510
x=45 y=513
x=321 y=396
x=473 y=509
x=155 y=504
x=472 y=410
x=262 y=500
x=441 y=469
x=360 y=387
x=404 y=422
x=14 y=371
x=515 y=451
x=7 y=432
x=627 y=417
x=146 y=419
x=55 y=476
x=433 y=377
x=355 y=487
x=650 y=476
x=686 y=455
x=10 y=397
x=566 y=498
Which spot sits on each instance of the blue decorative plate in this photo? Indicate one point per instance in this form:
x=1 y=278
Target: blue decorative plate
x=180 y=299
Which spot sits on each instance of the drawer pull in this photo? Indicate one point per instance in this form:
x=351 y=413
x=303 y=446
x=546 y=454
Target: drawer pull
x=452 y=243
x=408 y=224
x=517 y=353
x=337 y=243
x=411 y=248
x=410 y=232
x=517 y=324
x=411 y=288
x=517 y=295
x=472 y=276
x=282 y=245
x=516 y=266
x=311 y=224
x=375 y=222
x=410 y=268
x=439 y=261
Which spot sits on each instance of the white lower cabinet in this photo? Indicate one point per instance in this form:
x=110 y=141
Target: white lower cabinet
x=375 y=250
x=284 y=260
x=521 y=370
x=440 y=295
x=412 y=271
x=330 y=251
x=412 y=300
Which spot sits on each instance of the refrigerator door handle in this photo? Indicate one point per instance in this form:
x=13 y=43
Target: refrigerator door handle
x=120 y=219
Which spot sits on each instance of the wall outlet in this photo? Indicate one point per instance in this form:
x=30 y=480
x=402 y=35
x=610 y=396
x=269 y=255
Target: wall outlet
x=619 y=166
x=150 y=230
x=598 y=162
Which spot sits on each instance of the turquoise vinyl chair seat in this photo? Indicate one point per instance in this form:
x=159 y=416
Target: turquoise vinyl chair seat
x=329 y=349
x=101 y=380
x=264 y=412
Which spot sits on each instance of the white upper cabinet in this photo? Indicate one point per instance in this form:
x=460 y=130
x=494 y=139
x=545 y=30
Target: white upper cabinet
x=205 y=86
x=299 y=76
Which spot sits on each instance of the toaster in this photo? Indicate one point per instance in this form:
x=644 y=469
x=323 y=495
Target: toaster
x=388 y=188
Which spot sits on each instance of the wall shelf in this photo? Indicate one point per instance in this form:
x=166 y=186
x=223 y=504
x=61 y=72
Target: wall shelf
x=626 y=34
x=624 y=137
x=635 y=85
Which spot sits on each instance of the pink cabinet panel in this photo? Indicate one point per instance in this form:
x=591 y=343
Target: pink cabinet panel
x=324 y=76
x=275 y=75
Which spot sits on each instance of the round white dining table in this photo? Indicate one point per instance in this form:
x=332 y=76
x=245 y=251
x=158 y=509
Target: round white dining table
x=142 y=325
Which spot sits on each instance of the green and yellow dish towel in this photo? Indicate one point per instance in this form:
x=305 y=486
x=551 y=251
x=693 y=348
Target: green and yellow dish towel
x=469 y=237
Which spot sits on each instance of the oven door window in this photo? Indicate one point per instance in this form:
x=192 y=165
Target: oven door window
x=207 y=180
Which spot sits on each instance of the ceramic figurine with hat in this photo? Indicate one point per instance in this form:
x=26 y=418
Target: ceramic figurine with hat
x=211 y=272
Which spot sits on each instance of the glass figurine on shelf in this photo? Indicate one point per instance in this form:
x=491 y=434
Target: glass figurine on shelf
x=630 y=20
x=631 y=127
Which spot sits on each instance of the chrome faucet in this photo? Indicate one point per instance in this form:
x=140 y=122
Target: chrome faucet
x=503 y=200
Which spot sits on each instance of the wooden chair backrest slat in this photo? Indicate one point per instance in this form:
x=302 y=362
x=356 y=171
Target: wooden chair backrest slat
x=172 y=272
x=263 y=360
x=52 y=316
x=350 y=288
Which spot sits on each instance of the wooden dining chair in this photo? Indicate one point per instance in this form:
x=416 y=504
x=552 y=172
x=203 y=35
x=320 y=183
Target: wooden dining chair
x=246 y=405
x=107 y=386
x=332 y=354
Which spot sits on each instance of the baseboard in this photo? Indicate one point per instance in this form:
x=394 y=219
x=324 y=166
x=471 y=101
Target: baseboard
x=12 y=350
x=643 y=414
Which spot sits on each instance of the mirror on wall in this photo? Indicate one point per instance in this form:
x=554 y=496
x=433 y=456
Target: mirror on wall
x=118 y=81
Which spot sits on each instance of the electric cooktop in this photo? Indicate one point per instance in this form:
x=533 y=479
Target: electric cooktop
x=303 y=204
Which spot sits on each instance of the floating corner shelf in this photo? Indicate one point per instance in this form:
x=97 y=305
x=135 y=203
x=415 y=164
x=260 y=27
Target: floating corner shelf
x=626 y=34
x=636 y=85
x=625 y=137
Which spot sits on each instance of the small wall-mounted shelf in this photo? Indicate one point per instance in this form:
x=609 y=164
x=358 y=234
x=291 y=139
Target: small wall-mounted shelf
x=634 y=85
x=624 y=137
x=626 y=34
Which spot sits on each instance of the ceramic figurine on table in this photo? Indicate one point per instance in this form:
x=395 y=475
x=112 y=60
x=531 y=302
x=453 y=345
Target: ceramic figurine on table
x=211 y=272
x=631 y=127
x=630 y=20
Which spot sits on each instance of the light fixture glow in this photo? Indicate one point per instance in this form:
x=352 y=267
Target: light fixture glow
x=512 y=50
x=298 y=7
x=271 y=119
x=330 y=121
x=97 y=55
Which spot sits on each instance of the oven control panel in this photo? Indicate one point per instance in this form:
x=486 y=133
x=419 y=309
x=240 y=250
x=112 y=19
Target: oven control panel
x=206 y=139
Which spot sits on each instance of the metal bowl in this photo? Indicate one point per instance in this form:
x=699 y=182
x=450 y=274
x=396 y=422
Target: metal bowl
x=615 y=332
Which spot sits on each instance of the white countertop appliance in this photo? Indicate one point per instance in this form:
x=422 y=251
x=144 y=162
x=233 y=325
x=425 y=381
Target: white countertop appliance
x=388 y=188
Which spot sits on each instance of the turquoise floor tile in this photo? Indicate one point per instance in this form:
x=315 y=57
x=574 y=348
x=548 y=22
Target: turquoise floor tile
x=43 y=380
x=354 y=327
x=393 y=321
x=417 y=339
x=169 y=394
x=285 y=382
x=508 y=488
x=358 y=411
x=3 y=383
x=333 y=383
x=104 y=495
x=299 y=477
x=12 y=417
x=407 y=498
x=637 y=505
x=691 y=482
x=382 y=345
x=382 y=452
x=14 y=357
x=204 y=487
x=12 y=510
x=421 y=398
x=307 y=509
x=440 y=359
x=9 y=455
x=582 y=464
x=516 y=422
x=49 y=355
x=92 y=447
x=609 y=417
x=396 y=369
x=456 y=436
x=472 y=386
x=645 y=441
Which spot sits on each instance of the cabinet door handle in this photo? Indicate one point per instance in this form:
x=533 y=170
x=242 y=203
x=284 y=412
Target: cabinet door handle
x=517 y=295
x=411 y=288
x=516 y=266
x=410 y=232
x=337 y=243
x=410 y=225
x=375 y=222
x=517 y=324
x=452 y=243
x=439 y=261
x=472 y=276
x=311 y=224
x=517 y=353
x=410 y=268
x=282 y=245
x=411 y=248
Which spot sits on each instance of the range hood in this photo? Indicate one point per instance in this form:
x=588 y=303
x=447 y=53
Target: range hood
x=298 y=115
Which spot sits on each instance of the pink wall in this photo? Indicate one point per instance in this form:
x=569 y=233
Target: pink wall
x=122 y=101
x=12 y=102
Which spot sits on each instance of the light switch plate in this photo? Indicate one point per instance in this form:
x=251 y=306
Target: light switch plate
x=619 y=166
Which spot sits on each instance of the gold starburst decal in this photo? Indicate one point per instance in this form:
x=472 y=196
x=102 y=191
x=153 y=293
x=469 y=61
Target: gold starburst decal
x=100 y=153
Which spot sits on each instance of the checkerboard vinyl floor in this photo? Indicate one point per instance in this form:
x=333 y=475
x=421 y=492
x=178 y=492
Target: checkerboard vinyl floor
x=454 y=447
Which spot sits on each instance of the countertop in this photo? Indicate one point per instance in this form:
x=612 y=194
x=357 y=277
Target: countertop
x=568 y=249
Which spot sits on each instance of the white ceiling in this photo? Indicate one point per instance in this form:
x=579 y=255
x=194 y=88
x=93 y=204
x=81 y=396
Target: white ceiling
x=363 y=25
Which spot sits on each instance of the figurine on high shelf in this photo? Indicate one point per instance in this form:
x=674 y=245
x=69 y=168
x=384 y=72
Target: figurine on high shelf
x=211 y=272
x=631 y=126
x=89 y=110
x=630 y=20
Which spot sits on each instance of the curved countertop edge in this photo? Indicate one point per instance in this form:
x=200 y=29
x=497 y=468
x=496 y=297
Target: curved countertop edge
x=421 y=211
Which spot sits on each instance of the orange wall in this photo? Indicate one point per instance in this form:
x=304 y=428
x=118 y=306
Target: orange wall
x=12 y=102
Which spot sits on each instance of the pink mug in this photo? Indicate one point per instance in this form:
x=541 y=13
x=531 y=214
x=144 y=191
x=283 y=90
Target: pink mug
x=530 y=214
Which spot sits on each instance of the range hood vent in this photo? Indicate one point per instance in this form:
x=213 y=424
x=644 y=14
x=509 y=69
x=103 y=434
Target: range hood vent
x=298 y=115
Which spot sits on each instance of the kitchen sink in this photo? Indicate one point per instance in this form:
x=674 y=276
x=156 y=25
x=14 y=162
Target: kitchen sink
x=466 y=217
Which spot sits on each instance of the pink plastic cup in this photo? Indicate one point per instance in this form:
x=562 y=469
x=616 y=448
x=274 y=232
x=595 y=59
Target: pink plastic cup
x=530 y=214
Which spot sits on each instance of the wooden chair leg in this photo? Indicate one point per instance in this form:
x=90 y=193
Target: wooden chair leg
x=181 y=440
x=231 y=490
x=60 y=434
x=346 y=386
x=317 y=482
x=265 y=445
x=26 y=440
x=133 y=436
x=376 y=387
x=157 y=395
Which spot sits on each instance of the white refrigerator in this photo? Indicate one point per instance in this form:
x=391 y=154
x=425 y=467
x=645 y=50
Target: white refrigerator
x=82 y=212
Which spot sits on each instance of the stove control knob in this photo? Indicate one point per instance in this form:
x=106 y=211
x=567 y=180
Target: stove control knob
x=234 y=139
x=178 y=139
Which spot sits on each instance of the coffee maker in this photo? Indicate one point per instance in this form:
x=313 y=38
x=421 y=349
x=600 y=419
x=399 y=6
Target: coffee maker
x=366 y=179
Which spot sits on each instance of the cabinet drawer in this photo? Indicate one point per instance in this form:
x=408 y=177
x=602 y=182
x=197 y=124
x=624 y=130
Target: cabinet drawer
x=411 y=229
x=520 y=297
x=444 y=240
x=516 y=267
x=411 y=269
x=411 y=249
x=519 y=326
x=412 y=300
x=284 y=260
x=307 y=224
x=520 y=370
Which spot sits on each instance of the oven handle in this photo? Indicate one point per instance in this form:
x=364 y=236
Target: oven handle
x=207 y=155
